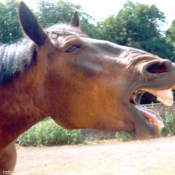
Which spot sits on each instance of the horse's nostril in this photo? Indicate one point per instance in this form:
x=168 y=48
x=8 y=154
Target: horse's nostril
x=160 y=67
x=156 y=68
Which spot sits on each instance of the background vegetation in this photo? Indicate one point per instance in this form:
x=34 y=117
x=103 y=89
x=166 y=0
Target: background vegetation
x=136 y=25
x=47 y=133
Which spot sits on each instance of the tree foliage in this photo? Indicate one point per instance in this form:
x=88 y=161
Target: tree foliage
x=50 y=13
x=170 y=34
x=137 y=25
x=170 y=38
x=9 y=25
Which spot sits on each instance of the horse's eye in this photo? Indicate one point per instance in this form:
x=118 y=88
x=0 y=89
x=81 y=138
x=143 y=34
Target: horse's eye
x=72 y=48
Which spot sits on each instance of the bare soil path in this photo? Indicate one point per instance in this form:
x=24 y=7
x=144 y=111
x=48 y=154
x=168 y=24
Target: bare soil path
x=151 y=157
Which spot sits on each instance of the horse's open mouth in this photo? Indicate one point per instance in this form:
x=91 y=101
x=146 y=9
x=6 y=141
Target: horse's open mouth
x=164 y=96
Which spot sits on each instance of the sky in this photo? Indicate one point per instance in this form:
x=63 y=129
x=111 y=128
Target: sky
x=101 y=9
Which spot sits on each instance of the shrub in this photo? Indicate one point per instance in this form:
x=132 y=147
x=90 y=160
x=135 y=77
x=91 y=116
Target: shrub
x=47 y=133
x=124 y=136
x=169 y=124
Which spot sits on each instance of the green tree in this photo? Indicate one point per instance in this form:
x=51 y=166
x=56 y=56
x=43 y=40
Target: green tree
x=9 y=25
x=52 y=12
x=60 y=11
x=170 y=34
x=137 y=25
x=170 y=38
x=49 y=13
x=88 y=25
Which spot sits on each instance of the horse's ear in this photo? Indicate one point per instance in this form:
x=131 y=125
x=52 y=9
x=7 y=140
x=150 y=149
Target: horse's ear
x=75 y=22
x=30 y=25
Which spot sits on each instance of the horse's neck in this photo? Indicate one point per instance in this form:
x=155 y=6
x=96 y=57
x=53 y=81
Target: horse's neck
x=18 y=111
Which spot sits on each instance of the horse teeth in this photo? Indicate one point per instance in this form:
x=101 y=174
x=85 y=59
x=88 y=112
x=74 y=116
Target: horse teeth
x=151 y=121
x=166 y=101
x=170 y=102
x=158 y=126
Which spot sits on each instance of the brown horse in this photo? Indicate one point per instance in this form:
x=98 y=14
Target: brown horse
x=79 y=81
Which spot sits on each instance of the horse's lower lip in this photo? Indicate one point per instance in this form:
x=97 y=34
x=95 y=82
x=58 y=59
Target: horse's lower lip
x=145 y=127
x=152 y=117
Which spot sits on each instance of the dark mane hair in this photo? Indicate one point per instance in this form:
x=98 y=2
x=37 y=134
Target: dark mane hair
x=15 y=58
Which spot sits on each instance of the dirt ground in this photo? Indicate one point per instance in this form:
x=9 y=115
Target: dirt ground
x=150 y=157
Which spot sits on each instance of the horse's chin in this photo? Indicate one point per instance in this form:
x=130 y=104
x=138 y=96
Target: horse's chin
x=148 y=123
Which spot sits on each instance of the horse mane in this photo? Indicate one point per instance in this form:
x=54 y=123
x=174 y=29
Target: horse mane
x=15 y=58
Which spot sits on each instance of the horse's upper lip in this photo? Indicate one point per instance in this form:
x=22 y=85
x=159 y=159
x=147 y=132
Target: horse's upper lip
x=151 y=119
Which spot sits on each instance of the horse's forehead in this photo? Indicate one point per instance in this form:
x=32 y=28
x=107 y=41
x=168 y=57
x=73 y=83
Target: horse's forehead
x=65 y=30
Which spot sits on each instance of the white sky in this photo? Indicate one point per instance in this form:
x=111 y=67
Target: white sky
x=100 y=9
